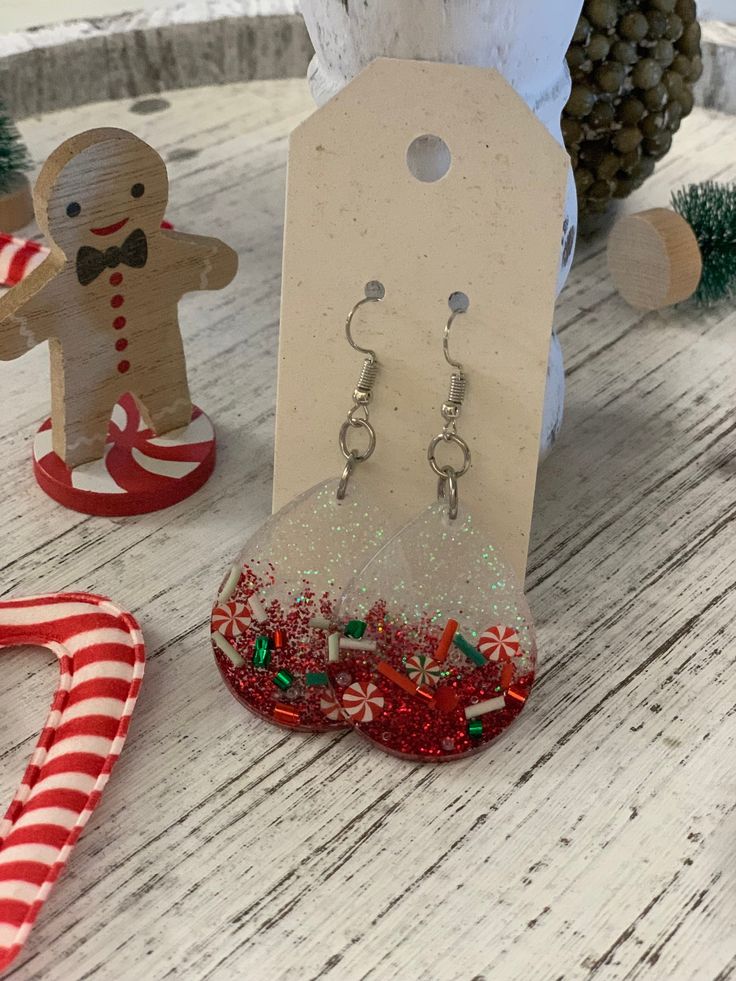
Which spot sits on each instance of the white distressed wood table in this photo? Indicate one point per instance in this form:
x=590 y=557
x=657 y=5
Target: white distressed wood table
x=597 y=839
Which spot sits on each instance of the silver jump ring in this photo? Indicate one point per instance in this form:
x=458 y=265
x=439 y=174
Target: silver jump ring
x=447 y=491
x=347 y=473
x=357 y=424
x=356 y=420
x=448 y=438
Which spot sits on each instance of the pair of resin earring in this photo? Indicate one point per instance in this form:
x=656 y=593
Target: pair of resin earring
x=422 y=641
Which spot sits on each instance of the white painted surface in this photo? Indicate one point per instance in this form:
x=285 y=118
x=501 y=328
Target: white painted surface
x=595 y=842
x=20 y=14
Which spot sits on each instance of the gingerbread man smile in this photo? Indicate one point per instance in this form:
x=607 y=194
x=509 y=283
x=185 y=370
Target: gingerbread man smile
x=110 y=229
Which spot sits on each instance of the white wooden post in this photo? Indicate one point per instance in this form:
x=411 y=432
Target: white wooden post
x=525 y=40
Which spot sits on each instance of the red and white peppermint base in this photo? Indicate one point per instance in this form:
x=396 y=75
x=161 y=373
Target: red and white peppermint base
x=101 y=660
x=139 y=473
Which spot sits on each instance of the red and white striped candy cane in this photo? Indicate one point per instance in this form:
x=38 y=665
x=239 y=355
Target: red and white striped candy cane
x=18 y=257
x=101 y=658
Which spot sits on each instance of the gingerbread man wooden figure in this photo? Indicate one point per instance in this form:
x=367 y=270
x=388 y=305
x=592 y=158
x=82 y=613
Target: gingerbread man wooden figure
x=106 y=298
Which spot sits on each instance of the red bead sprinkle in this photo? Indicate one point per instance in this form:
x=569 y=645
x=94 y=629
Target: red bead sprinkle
x=117 y=301
x=285 y=715
x=121 y=344
x=123 y=366
x=445 y=699
x=119 y=322
x=116 y=279
x=448 y=635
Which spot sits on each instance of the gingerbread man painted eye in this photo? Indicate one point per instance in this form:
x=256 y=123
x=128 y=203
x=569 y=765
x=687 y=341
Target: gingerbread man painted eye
x=73 y=209
x=137 y=190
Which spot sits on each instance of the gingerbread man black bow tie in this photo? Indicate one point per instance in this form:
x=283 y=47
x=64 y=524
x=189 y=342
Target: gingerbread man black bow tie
x=91 y=262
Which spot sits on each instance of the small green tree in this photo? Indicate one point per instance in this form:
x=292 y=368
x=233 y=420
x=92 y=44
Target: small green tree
x=710 y=210
x=13 y=153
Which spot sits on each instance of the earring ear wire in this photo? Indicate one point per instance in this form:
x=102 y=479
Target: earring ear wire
x=358 y=416
x=451 y=408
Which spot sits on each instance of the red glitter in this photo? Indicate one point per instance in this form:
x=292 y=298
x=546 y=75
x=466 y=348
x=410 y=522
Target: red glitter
x=303 y=649
x=415 y=728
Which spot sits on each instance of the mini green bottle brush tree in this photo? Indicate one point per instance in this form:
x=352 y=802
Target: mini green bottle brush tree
x=16 y=207
x=710 y=211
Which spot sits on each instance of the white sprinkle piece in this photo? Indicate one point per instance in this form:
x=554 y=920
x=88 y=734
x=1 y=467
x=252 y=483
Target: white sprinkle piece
x=256 y=609
x=350 y=644
x=490 y=705
x=333 y=647
x=230 y=583
x=319 y=623
x=227 y=649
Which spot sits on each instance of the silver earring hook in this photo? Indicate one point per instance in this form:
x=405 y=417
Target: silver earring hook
x=358 y=415
x=446 y=342
x=451 y=408
x=374 y=293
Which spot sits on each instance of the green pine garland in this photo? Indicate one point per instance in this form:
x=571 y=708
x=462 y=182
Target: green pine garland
x=710 y=210
x=13 y=153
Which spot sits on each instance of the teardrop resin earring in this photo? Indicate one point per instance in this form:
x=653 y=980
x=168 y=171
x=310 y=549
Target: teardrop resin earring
x=455 y=647
x=273 y=623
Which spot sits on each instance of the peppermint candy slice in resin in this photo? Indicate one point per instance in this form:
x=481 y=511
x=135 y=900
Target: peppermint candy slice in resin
x=426 y=606
x=273 y=622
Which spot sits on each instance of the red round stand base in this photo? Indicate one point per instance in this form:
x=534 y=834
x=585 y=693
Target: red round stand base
x=139 y=473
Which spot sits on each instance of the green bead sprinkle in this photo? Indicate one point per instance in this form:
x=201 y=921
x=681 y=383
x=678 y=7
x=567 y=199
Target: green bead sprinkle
x=262 y=652
x=317 y=678
x=355 y=629
x=283 y=679
x=469 y=651
x=475 y=728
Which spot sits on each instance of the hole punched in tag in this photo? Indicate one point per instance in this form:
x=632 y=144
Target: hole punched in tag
x=428 y=158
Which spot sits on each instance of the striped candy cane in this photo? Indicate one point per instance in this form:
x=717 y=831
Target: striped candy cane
x=101 y=658
x=18 y=257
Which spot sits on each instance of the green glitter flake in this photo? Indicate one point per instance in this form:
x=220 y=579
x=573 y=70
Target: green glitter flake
x=317 y=678
x=475 y=728
x=355 y=629
x=262 y=652
x=283 y=680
